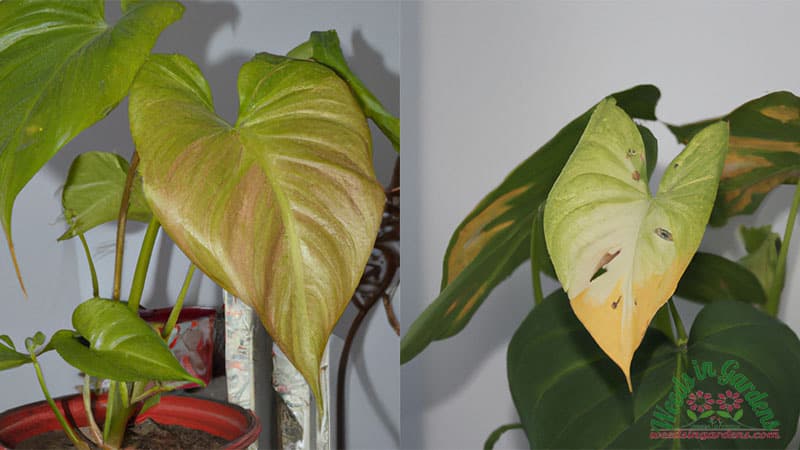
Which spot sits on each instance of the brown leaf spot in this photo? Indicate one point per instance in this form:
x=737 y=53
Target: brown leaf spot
x=635 y=175
x=616 y=302
x=607 y=258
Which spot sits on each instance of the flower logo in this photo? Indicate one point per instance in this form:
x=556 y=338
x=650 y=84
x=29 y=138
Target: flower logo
x=700 y=401
x=729 y=401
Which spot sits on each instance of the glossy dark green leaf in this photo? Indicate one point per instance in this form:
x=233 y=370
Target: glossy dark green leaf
x=63 y=69
x=9 y=356
x=325 y=49
x=762 y=246
x=112 y=342
x=494 y=239
x=763 y=152
x=93 y=193
x=570 y=395
x=711 y=278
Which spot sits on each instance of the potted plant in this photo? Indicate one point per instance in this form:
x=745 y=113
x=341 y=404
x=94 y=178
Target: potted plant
x=280 y=208
x=606 y=361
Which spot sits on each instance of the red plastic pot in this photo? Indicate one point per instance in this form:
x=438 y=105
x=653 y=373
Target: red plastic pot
x=239 y=426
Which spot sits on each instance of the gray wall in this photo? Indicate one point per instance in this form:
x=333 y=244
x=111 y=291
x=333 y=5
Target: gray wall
x=485 y=84
x=219 y=36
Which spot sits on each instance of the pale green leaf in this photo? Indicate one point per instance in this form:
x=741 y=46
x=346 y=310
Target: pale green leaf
x=600 y=215
x=762 y=246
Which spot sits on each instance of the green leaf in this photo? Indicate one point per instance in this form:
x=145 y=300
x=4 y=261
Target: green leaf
x=691 y=414
x=494 y=239
x=762 y=247
x=764 y=152
x=9 y=356
x=93 y=193
x=280 y=209
x=724 y=414
x=326 y=50
x=570 y=395
x=600 y=215
x=110 y=341
x=738 y=415
x=63 y=70
x=708 y=413
x=712 y=278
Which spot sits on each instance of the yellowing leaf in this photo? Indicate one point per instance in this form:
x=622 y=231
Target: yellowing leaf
x=282 y=208
x=619 y=252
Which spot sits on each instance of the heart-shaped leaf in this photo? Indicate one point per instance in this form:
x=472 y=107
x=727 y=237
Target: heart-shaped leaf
x=494 y=239
x=570 y=395
x=764 y=152
x=711 y=278
x=63 y=69
x=600 y=216
x=110 y=341
x=282 y=208
x=93 y=193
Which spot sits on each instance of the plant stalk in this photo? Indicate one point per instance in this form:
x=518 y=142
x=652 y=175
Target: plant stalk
x=92 y=271
x=87 y=406
x=142 y=264
x=676 y=318
x=79 y=443
x=774 y=296
x=121 y=223
x=176 y=310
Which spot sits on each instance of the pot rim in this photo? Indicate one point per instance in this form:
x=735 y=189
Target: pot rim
x=229 y=421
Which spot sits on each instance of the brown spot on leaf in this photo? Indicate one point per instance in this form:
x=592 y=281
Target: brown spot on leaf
x=607 y=258
x=636 y=176
x=616 y=302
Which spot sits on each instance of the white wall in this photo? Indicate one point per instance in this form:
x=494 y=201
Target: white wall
x=485 y=84
x=220 y=36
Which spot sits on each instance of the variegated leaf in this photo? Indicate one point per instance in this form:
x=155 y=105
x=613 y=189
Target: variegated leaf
x=618 y=251
x=494 y=239
x=764 y=152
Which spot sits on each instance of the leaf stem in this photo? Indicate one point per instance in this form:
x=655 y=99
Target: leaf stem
x=79 y=443
x=774 y=297
x=176 y=310
x=121 y=223
x=495 y=436
x=87 y=406
x=676 y=318
x=142 y=264
x=92 y=271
